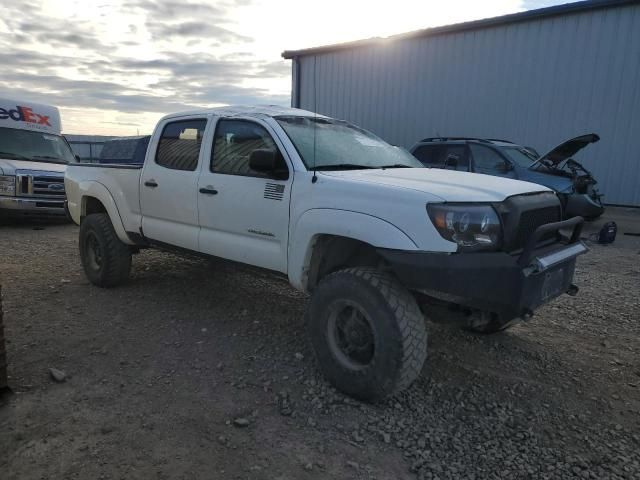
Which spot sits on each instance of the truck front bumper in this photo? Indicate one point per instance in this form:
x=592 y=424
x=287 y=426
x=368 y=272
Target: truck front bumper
x=16 y=206
x=509 y=286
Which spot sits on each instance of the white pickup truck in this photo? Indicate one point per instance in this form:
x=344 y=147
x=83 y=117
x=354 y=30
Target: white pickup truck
x=377 y=242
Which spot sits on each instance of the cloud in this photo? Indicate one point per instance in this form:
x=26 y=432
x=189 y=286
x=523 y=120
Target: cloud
x=45 y=31
x=139 y=58
x=194 y=28
x=172 y=9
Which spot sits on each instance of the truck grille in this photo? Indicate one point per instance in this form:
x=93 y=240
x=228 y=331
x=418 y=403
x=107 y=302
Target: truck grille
x=523 y=214
x=38 y=184
x=532 y=219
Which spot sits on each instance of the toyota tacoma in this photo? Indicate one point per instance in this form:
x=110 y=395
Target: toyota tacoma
x=378 y=242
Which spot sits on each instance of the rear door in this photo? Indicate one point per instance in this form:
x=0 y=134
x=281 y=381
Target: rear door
x=168 y=190
x=244 y=214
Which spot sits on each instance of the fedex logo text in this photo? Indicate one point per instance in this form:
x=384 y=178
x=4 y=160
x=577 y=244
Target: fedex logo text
x=24 y=114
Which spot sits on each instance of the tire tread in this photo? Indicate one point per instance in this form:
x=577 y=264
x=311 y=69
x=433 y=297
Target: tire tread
x=117 y=254
x=408 y=316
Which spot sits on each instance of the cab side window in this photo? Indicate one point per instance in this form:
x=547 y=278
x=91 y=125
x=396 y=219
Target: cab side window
x=179 y=145
x=487 y=160
x=234 y=143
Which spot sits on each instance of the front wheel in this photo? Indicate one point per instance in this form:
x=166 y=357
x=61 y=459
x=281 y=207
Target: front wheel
x=368 y=333
x=105 y=259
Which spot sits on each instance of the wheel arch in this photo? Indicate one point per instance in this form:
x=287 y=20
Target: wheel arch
x=97 y=199
x=325 y=240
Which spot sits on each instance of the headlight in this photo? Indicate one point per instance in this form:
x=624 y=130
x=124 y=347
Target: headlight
x=472 y=227
x=7 y=185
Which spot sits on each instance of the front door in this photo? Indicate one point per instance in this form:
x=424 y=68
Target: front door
x=244 y=214
x=486 y=160
x=168 y=190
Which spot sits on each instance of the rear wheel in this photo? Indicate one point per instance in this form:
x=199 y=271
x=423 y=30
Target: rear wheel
x=367 y=332
x=105 y=259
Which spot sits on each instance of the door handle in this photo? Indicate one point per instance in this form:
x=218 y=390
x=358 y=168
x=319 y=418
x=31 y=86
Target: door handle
x=150 y=183
x=209 y=191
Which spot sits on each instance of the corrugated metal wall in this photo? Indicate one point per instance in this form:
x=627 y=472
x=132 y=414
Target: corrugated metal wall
x=536 y=83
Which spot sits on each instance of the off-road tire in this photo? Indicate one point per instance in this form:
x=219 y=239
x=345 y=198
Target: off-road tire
x=115 y=264
x=398 y=332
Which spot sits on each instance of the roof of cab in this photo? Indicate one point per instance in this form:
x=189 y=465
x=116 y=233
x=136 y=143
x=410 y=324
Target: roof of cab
x=246 y=111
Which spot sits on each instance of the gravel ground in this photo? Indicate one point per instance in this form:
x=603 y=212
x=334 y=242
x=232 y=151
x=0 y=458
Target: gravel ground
x=200 y=370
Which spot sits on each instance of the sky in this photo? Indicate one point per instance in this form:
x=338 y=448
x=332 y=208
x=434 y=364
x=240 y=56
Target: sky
x=114 y=67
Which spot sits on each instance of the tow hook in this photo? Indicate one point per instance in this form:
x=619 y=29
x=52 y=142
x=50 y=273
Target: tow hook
x=572 y=290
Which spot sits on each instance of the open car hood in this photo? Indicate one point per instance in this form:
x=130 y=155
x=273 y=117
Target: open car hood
x=566 y=150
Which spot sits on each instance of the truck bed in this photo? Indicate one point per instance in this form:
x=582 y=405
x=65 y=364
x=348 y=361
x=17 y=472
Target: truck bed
x=121 y=181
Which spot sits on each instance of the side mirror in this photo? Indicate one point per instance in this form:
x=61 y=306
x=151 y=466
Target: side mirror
x=451 y=161
x=77 y=157
x=268 y=162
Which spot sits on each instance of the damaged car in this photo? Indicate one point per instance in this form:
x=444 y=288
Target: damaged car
x=574 y=184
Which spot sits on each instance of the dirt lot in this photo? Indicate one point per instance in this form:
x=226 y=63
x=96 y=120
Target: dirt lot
x=194 y=370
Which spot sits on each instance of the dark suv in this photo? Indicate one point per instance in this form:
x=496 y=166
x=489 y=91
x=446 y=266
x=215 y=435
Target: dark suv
x=556 y=170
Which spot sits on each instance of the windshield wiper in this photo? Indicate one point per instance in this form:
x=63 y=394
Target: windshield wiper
x=341 y=166
x=49 y=157
x=16 y=155
x=397 y=165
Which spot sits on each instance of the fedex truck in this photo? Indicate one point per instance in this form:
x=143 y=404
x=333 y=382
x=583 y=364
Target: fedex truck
x=33 y=158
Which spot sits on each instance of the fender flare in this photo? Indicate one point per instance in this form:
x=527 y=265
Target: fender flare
x=102 y=194
x=344 y=223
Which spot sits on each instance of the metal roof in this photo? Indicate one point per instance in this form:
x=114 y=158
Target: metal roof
x=540 y=13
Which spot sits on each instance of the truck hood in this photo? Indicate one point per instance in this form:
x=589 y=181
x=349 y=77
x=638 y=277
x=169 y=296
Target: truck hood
x=9 y=166
x=449 y=185
x=566 y=150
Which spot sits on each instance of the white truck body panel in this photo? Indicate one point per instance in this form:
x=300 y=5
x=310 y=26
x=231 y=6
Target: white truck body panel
x=385 y=208
x=241 y=222
x=116 y=188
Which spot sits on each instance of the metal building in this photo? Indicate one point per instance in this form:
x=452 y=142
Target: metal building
x=536 y=78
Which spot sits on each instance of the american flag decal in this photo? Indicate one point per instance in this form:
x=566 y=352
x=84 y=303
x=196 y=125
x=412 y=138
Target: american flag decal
x=273 y=191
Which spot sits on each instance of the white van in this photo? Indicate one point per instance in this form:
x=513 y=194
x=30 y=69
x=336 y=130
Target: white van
x=33 y=158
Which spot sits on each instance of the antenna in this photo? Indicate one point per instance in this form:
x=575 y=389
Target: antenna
x=314 y=178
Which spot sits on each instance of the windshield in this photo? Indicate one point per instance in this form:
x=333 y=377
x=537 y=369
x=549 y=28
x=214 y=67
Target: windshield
x=519 y=156
x=327 y=144
x=34 y=146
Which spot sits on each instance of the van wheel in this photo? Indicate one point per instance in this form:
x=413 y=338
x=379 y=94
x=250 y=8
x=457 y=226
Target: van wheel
x=368 y=333
x=105 y=259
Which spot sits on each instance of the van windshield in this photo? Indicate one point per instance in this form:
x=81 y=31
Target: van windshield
x=34 y=146
x=327 y=144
